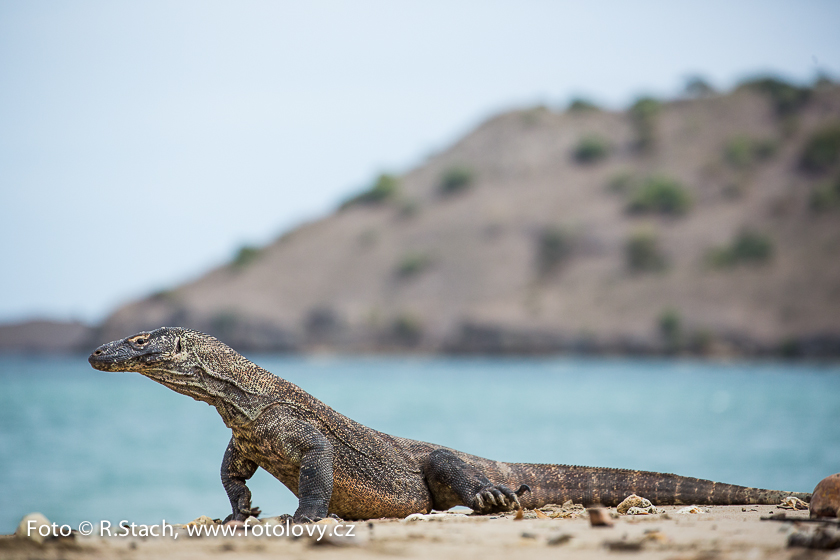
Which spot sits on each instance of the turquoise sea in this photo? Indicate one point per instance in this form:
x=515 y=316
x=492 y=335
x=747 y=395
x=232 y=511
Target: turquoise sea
x=78 y=444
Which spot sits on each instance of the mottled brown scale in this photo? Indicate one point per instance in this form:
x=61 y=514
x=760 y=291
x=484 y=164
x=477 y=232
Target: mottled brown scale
x=335 y=465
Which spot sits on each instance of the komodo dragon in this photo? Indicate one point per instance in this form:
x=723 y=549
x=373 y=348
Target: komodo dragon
x=337 y=466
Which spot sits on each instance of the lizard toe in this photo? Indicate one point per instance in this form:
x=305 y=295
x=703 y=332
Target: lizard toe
x=489 y=498
x=501 y=500
x=511 y=497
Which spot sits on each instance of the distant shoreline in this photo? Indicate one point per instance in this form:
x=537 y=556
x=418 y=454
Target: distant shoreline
x=45 y=337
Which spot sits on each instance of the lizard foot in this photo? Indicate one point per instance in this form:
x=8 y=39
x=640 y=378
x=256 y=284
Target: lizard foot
x=243 y=514
x=492 y=499
x=309 y=514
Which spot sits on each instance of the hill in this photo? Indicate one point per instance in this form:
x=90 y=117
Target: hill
x=707 y=225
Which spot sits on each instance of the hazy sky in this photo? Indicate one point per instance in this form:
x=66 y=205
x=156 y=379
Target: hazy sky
x=141 y=143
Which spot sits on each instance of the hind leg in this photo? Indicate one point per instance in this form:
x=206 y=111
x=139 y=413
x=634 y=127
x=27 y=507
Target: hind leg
x=454 y=482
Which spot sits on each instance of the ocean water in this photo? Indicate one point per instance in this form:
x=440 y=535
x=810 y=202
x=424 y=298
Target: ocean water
x=77 y=444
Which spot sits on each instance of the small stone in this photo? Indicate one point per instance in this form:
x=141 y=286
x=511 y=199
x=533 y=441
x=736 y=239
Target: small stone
x=633 y=501
x=599 y=517
x=691 y=510
x=251 y=520
x=655 y=535
x=562 y=538
x=202 y=520
x=239 y=525
x=272 y=521
x=624 y=546
x=825 y=501
x=27 y=530
x=642 y=511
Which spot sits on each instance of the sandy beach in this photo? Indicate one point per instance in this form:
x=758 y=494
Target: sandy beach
x=716 y=532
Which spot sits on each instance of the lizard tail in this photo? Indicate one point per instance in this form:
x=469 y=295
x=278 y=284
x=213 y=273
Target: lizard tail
x=591 y=485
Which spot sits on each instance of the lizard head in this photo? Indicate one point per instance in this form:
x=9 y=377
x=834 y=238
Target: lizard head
x=163 y=355
x=142 y=352
x=186 y=361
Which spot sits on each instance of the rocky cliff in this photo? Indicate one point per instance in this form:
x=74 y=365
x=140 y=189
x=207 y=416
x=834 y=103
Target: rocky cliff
x=708 y=225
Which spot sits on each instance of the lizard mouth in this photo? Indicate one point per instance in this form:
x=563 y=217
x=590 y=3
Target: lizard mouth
x=132 y=354
x=110 y=357
x=99 y=360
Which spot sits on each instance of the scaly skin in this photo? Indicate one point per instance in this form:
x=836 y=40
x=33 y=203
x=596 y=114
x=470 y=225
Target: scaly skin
x=337 y=466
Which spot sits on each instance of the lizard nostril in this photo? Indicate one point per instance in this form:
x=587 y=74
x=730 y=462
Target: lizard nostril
x=97 y=352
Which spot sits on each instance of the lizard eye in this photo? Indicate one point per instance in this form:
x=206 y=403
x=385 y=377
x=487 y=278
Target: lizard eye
x=140 y=340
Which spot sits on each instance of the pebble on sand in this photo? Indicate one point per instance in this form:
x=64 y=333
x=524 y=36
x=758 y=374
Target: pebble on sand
x=825 y=501
x=642 y=505
x=599 y=517
x=38 y=520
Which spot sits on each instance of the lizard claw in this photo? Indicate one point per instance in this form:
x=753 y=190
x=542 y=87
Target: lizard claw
x=243 y=514
x=494 y=499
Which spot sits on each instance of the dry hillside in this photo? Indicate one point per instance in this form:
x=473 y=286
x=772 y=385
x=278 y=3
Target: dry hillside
x=708 y=225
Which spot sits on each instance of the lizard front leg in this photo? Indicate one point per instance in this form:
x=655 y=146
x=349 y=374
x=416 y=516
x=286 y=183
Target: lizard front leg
x=453 y=481
x=236 y=469
x=315 y=484
x=297 y=443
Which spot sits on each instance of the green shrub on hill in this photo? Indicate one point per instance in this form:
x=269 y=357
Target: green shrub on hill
x=741 y=152
x=748 y=247
x=826 y=196
x=407 y=329
x=670 y=328
x=413 y=264
x=645 y=108
x=659 y=195
x=643 y=115
x=579 y=105
x=383 y=189
x=786 y=98
x=591 y=149
x=697 y=87
x=456 y=179
x=245 y=256
x=554 y=247
x=822 y=151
